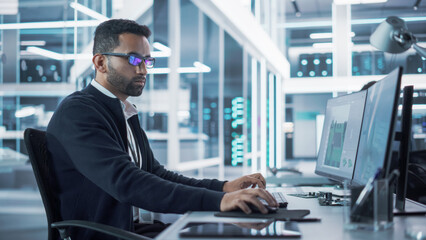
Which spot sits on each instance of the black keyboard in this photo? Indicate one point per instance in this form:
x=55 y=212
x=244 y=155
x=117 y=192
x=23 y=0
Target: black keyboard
x=279 y=197
x=282 y=201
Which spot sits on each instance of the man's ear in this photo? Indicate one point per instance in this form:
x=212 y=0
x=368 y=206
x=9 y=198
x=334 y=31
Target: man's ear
x=100 y=62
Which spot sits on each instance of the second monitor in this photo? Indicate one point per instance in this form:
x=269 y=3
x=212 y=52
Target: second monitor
x=358 y=132
x=377 y=134
x=340 y=136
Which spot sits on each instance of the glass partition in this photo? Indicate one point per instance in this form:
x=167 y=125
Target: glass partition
x=233 y=111
x=210 y=88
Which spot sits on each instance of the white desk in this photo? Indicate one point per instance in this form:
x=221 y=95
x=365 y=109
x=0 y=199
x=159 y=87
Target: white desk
x=11 y=158
x=330 y=227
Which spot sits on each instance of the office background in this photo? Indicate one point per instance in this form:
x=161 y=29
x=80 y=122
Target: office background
x=238 y=85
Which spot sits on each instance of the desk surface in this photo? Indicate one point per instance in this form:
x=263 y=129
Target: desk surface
x=330 y=227
x=11 y=158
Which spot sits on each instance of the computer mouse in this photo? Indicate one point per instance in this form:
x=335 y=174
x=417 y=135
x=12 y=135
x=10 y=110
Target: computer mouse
x=254 y=209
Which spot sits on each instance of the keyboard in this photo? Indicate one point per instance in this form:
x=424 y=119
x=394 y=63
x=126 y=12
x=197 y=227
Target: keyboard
x=279 y=197
x=282 y=201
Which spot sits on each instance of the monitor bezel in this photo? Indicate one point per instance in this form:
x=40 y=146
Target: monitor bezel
x=404 y=147
x=391 y=135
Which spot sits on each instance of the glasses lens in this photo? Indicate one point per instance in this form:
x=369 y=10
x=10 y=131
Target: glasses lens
x=135 y=61
x=149 y=62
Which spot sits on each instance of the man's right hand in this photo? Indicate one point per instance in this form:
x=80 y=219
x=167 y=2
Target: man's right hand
x=241 y=198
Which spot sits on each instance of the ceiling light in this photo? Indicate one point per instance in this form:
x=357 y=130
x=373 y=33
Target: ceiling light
x=198 y=68
x=158 y=54
x=306 y=24
x=8 y=7
x=161 y=47
x=33 y=43
x=345 y=2
x=202 y=67
x=57 y=56
x=164 y=50
x=325 y=35
x=158 y=70
x=326 y=45
x=55 y=24
x=45 y=53
x=25 y=112
x=88 y=11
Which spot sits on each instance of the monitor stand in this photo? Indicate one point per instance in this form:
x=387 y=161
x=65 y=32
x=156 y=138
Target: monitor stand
x=404 y=136
x=411 y=208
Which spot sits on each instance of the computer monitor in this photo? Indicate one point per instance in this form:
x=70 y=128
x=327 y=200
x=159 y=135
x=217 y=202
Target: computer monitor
x=404 y=136
x=377 y=133
x=340 y=136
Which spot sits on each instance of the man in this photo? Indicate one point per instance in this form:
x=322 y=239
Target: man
x=101 y=157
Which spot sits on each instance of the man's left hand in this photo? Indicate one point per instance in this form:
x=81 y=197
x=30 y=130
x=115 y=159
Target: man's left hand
x=244 y=182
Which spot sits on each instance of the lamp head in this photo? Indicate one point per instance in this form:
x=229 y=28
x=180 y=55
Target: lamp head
x=392 y=36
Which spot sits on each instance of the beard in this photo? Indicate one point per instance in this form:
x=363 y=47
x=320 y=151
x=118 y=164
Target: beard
x=123 y=84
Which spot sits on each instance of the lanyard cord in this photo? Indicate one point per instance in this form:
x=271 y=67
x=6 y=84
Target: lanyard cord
x=136 y=154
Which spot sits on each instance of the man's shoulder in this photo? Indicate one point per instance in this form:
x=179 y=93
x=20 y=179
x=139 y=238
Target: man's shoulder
x=92 y=97
x=75 y=105
x=78 y=106
x=88 y=104
x=79 y=97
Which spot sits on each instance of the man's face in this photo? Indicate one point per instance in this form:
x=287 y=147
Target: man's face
x=125 y=79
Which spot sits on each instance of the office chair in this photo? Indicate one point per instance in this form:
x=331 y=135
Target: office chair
x=35 y=141
x=417 y=176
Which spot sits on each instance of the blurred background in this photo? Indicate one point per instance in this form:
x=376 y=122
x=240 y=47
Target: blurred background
x=238 y=86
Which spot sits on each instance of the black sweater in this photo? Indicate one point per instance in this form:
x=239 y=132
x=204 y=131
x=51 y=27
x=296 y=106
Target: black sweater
x=95 y=177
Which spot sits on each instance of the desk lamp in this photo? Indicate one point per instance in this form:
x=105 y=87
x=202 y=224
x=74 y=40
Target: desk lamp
x=392 y=36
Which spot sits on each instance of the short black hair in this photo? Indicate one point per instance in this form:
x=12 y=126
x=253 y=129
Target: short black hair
x=106 y=34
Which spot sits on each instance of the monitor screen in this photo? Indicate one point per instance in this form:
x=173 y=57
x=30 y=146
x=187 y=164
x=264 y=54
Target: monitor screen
x=377 y=131
x=340 y=136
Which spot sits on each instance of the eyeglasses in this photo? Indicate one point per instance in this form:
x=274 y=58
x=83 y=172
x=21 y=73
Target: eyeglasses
x=134 y=59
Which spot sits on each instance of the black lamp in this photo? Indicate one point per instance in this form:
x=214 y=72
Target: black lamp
x=416 y=5
x=296 y=8
x=392 y=36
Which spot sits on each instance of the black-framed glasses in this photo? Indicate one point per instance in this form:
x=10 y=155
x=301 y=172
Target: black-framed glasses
x=134 y=59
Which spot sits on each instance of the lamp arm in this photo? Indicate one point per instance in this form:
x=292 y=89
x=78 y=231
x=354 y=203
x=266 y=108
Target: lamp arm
x=420 y=50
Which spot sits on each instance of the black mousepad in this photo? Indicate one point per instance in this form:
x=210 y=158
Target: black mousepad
x=281 y=214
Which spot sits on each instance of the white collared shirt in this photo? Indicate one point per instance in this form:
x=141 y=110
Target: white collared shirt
x=129 y=110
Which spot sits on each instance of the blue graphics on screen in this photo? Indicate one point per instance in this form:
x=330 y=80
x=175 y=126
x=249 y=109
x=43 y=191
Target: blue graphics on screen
x=335 y=144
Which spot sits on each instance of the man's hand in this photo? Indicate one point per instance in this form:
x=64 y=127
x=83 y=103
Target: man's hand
x=244 y=182
x=240 y=199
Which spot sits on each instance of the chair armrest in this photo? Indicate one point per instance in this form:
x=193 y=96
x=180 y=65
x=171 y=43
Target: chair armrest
x=109 y=230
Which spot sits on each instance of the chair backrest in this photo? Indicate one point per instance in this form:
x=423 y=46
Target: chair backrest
x=35 y=141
